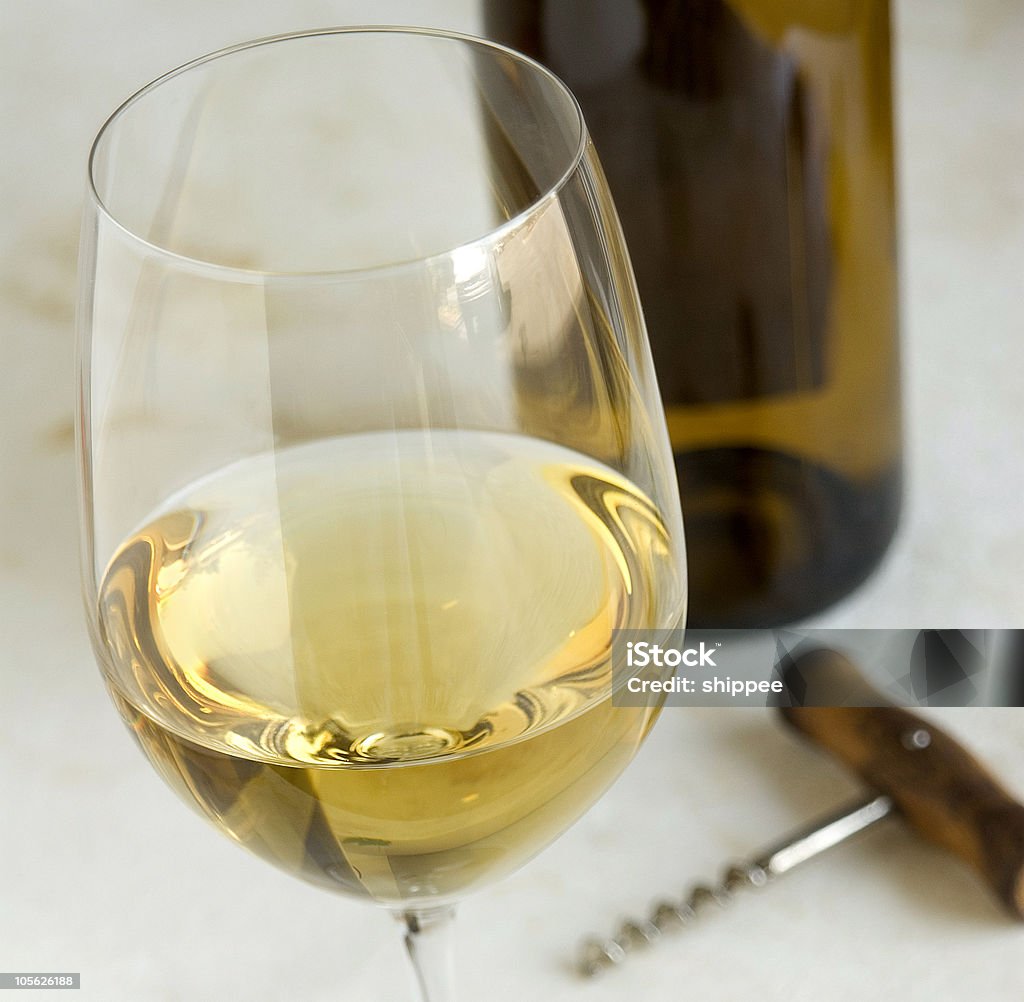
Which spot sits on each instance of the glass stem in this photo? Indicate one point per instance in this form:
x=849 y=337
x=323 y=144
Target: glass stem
x=428 y=941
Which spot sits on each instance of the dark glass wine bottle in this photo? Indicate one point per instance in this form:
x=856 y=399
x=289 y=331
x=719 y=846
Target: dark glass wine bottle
x=749 y=147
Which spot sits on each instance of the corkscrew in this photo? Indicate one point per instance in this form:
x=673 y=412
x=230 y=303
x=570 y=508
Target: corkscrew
x=916 y=772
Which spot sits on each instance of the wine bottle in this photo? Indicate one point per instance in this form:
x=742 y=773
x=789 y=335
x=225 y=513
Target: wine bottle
x=749 y=148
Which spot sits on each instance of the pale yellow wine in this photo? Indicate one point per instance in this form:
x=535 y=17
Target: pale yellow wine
x=381 y=661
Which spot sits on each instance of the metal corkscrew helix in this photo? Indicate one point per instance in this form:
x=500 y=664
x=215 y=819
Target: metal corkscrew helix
x=598 y=954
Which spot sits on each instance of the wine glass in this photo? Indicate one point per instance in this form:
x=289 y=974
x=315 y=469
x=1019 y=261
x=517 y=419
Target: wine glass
x=373 y=462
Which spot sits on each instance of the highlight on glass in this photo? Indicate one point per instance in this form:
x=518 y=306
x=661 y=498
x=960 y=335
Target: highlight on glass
x=373 y=461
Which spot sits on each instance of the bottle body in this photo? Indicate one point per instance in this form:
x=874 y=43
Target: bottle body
x=749 y=148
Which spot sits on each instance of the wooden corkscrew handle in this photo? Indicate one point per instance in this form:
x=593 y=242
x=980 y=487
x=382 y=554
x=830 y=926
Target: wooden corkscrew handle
x=945 y=794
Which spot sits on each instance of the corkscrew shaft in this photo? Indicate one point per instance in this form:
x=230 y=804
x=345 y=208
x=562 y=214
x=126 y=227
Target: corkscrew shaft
x=598 y=954
x=816 y=839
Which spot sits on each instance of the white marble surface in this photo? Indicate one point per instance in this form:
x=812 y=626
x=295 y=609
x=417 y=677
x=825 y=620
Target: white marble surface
x=102 y=872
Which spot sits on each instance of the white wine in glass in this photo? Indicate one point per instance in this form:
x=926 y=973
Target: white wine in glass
x=373 y=460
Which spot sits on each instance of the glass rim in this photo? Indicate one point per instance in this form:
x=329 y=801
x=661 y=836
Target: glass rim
x=536 y=205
